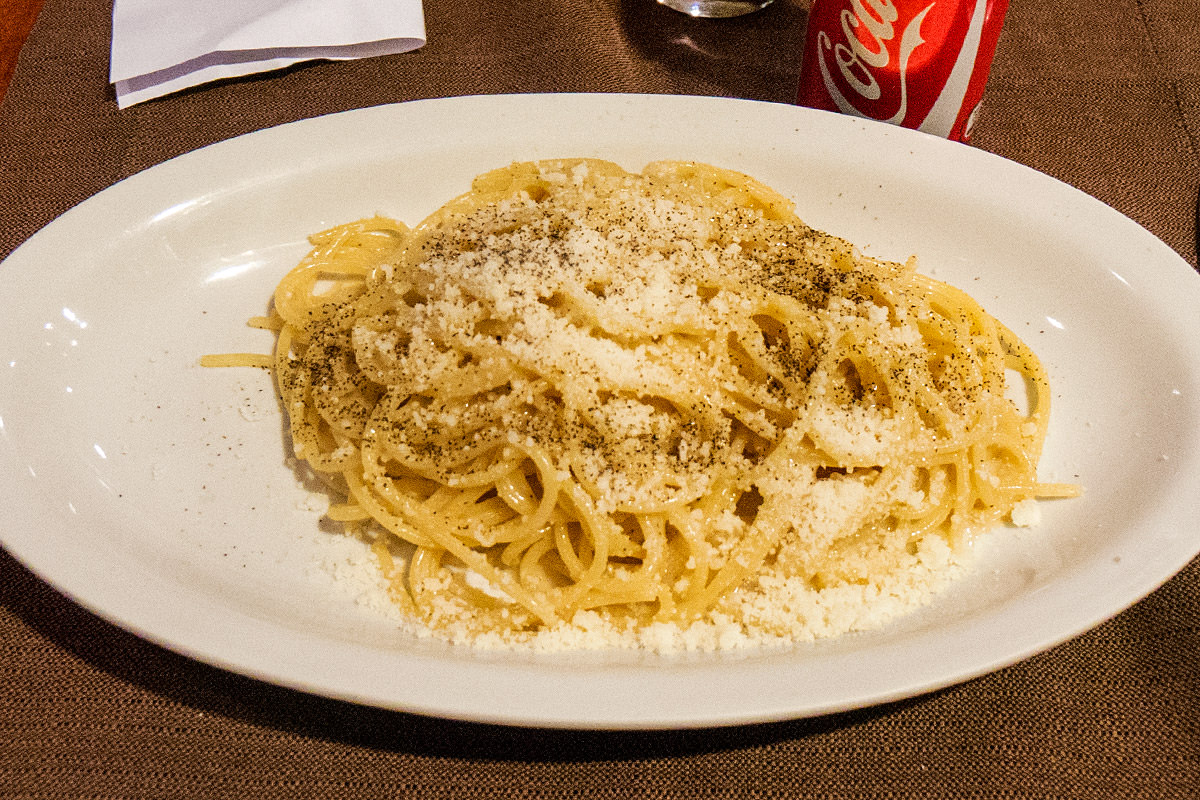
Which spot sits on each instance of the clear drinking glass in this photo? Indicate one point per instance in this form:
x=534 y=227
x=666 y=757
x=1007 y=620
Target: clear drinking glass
x=715 y=8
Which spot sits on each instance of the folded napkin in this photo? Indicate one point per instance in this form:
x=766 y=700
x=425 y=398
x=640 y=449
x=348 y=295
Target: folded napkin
x=162 y=46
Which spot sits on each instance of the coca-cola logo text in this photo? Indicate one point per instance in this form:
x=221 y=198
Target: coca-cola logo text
x=868 y=27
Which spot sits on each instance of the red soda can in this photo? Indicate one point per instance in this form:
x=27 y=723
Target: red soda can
x=920 y=64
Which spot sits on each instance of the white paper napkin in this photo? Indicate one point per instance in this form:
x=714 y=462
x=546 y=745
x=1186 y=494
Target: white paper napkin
x=162 y=46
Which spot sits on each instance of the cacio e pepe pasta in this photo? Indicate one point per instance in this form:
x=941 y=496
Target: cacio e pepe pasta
x=579 y=406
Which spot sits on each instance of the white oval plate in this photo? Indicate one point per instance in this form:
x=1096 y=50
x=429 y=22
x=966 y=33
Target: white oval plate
x=155 y=492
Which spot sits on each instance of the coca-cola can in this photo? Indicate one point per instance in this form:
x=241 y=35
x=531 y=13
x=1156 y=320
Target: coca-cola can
x=920 y=64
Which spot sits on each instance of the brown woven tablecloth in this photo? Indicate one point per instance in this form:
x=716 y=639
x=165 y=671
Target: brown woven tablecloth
x=1104 y=95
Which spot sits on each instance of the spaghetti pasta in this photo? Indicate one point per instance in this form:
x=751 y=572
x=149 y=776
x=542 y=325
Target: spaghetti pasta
x=581 y=398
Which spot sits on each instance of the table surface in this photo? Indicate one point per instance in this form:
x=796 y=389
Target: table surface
x=1104 y=96
x=16 y=19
